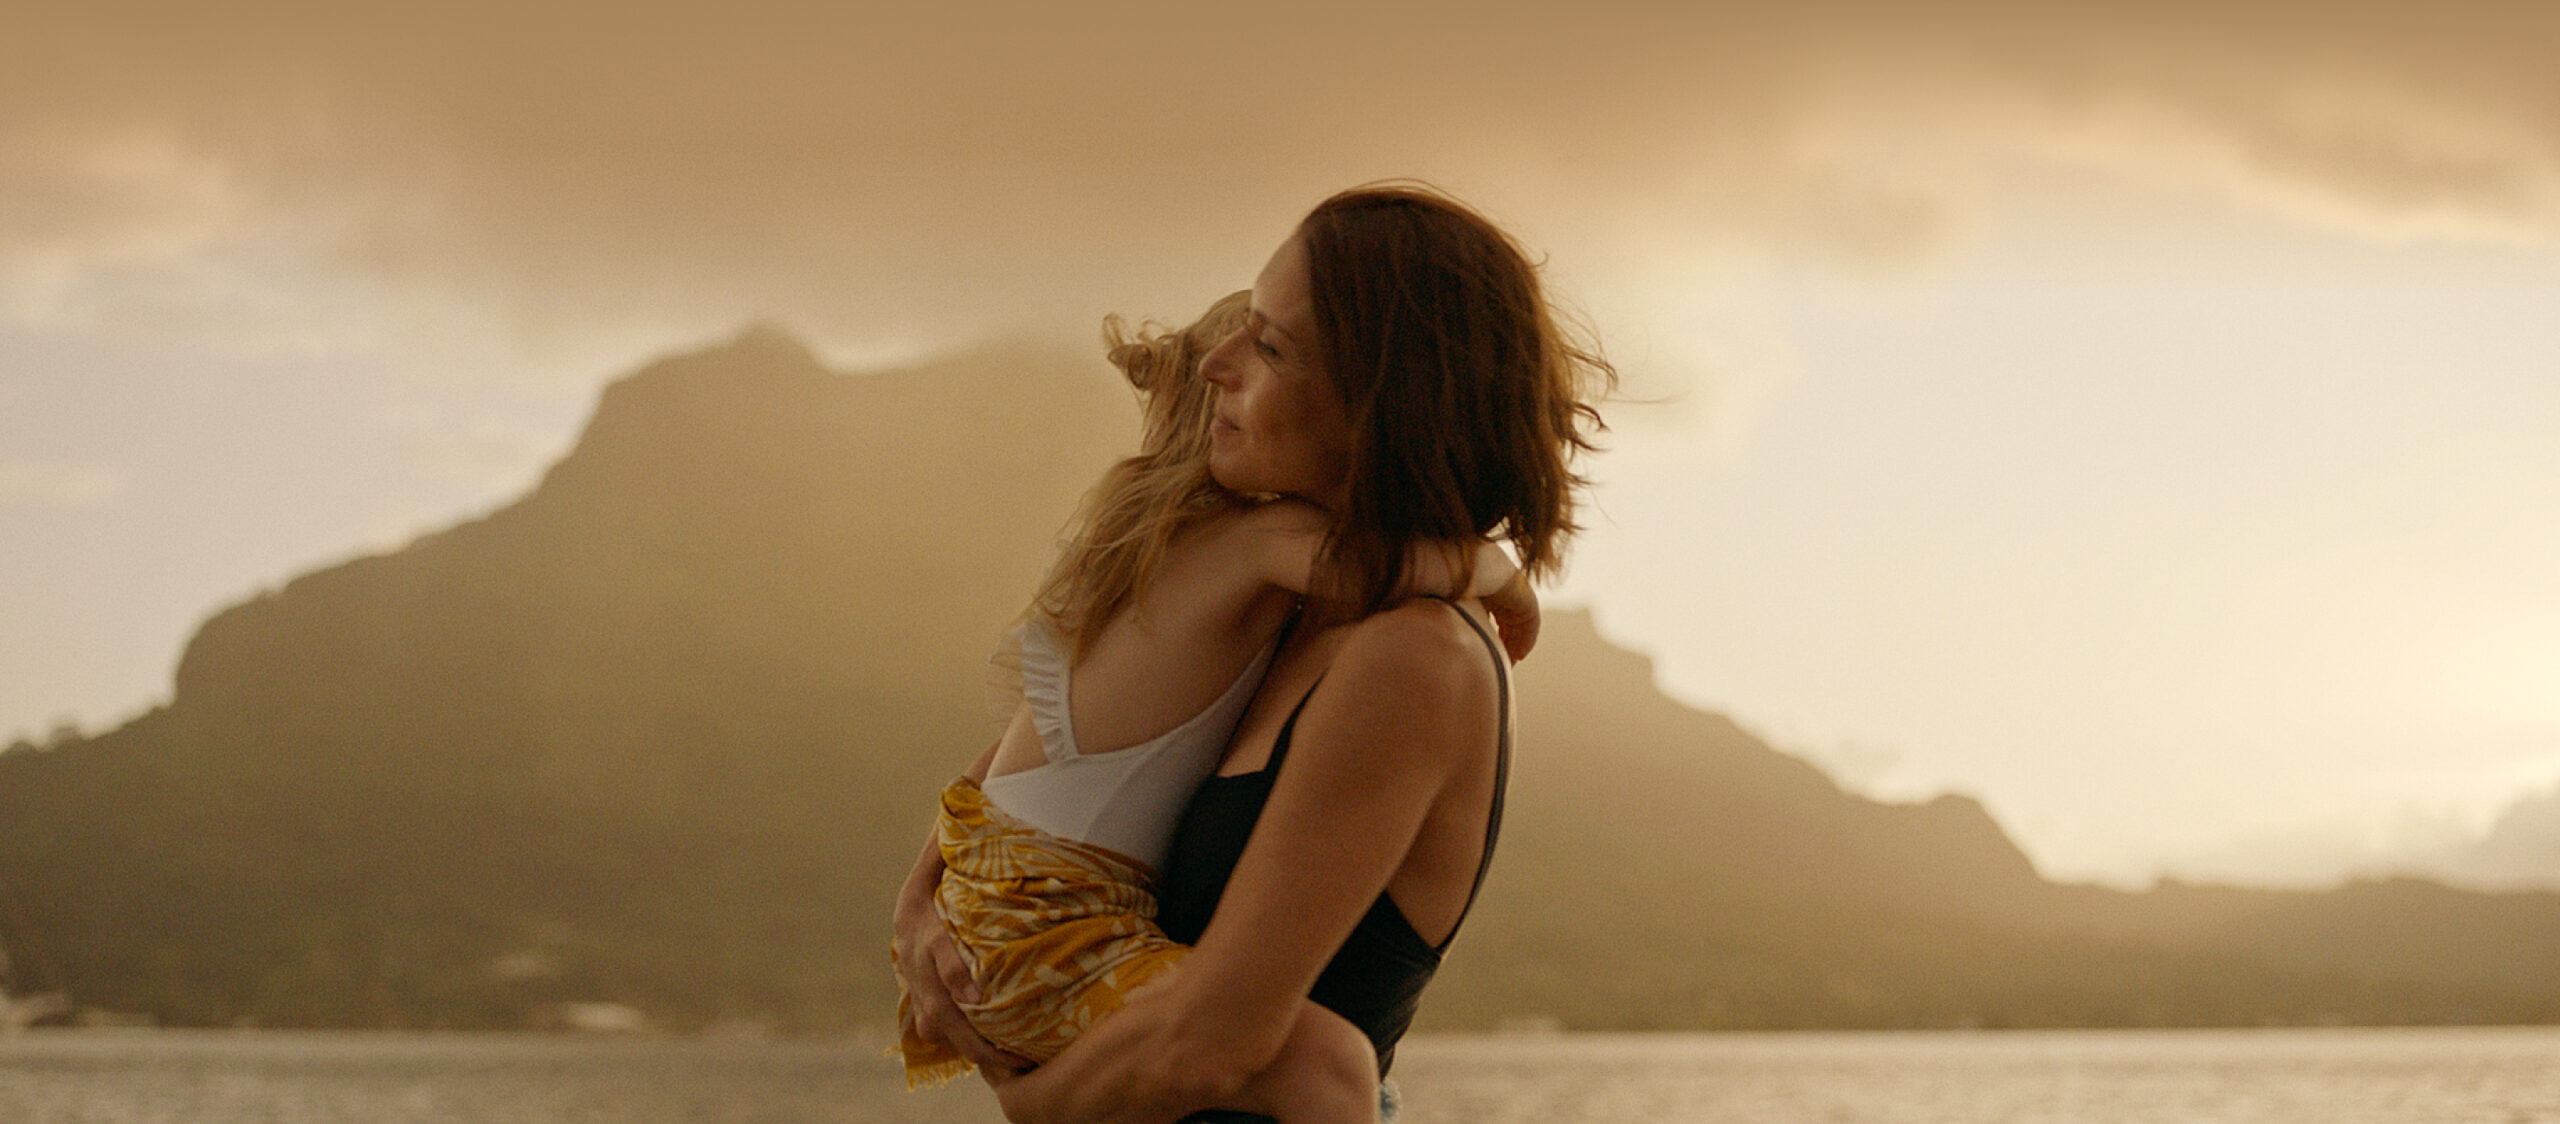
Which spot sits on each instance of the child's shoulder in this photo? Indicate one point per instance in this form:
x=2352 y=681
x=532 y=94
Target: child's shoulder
x=1264 y=545
x=1289 y=515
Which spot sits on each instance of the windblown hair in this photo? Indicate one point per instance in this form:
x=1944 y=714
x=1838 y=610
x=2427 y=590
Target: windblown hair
x=1469 y=401
x=1120 y=533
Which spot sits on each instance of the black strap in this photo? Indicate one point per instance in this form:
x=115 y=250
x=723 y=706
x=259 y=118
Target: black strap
x=1280 y=745
x=1501 y=765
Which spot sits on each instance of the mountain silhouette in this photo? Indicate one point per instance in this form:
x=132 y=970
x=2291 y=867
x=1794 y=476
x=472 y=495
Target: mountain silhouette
x=666 y=731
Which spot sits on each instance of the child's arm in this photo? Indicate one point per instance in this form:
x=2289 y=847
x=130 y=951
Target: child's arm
x=1288 y=534
x=1514 y=608
x=1502 y=586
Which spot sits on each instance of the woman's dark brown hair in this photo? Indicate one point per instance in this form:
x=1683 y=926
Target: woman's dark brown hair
x=1468 y=401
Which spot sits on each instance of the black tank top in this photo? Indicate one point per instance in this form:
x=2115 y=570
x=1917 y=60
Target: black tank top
x=1376 y=979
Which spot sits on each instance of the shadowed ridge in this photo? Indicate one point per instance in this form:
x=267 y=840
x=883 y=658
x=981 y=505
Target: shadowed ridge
x=649 y=726
x=1664 y=868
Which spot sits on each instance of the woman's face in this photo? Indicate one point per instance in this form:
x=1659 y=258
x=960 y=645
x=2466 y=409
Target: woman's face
x=1280 y=425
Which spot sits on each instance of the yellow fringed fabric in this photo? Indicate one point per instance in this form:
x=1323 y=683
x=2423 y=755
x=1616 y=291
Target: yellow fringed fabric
x=1056 y=932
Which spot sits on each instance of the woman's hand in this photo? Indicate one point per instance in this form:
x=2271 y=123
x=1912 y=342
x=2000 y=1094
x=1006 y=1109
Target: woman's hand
x=937 y=981
x=936 y=977
x=1146 y=1077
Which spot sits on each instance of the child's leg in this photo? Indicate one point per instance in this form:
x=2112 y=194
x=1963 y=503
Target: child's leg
x=1327 y=1073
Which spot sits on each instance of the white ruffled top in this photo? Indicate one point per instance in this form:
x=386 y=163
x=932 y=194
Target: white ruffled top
x=1127 y=799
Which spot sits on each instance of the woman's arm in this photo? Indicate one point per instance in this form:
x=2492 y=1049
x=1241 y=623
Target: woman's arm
x=929 y=963
x=1407 y=705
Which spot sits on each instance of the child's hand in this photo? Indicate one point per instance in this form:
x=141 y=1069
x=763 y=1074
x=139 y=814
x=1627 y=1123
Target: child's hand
x=1514 y=609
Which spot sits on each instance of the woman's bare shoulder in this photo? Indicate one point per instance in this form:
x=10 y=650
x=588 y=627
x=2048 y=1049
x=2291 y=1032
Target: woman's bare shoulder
x=1421 y=651
x=1410 y=693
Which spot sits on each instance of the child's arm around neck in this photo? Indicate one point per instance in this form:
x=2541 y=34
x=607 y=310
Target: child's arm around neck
x=1288 y=537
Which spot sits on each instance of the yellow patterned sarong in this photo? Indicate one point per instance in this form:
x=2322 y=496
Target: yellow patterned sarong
x=1057 y=932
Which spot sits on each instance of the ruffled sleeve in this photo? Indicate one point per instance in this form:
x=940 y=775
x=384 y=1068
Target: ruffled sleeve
x=1044 y=686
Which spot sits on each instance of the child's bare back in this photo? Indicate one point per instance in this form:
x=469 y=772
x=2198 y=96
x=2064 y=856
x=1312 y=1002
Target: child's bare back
x=1221 y=592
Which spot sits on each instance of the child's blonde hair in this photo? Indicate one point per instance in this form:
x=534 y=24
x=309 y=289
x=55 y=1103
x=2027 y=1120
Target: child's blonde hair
x=1121 y=531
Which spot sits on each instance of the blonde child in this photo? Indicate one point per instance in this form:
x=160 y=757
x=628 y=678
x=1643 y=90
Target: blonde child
x=1147 y=640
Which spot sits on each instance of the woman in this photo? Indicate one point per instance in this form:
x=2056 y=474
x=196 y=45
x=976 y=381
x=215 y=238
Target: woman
x=1401 y=371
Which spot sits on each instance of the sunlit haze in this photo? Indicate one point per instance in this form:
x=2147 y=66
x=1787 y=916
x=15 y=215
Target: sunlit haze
x=2139 y=421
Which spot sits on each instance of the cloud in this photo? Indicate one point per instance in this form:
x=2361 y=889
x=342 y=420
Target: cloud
x=86 y=208
x=43 y=484
x=871 y=175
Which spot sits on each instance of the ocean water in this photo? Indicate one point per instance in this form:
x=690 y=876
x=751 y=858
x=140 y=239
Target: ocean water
x=2472 y=1076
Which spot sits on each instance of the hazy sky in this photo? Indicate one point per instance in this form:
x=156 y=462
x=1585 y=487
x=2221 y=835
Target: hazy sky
x=2135 y=416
